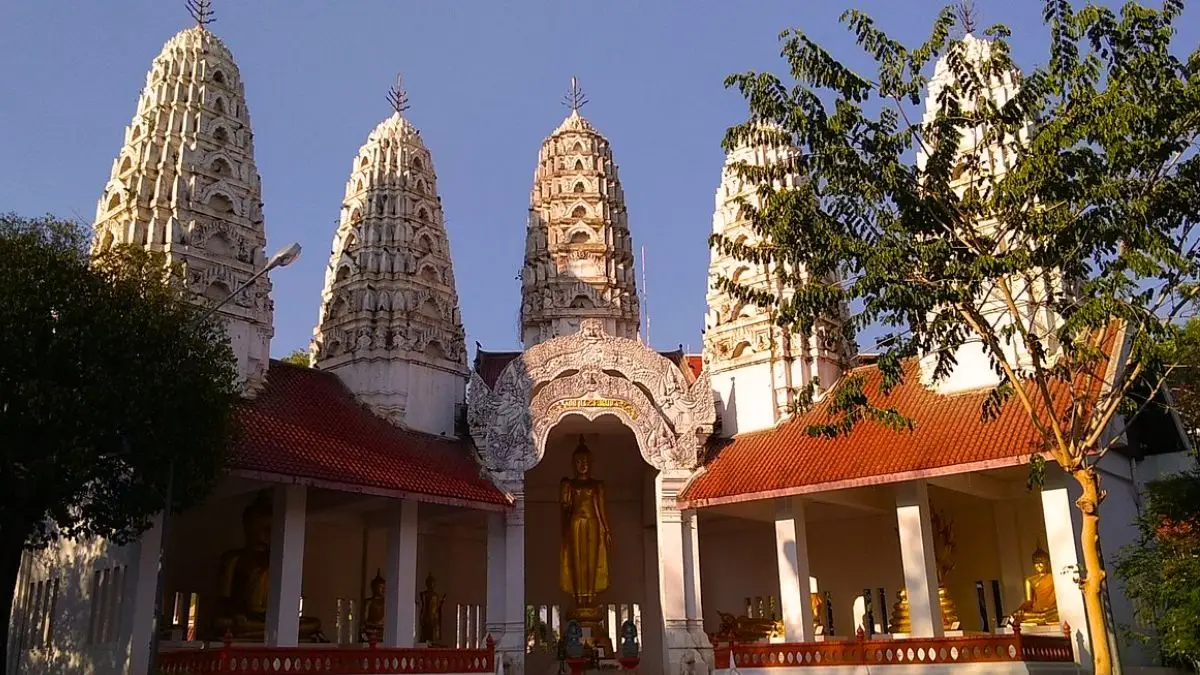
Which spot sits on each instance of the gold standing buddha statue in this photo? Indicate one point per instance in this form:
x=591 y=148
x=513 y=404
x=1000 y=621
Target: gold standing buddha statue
x=1041 y=604
x=430 y=605
x=586 y=544
x=244 y=581
x=374 y=610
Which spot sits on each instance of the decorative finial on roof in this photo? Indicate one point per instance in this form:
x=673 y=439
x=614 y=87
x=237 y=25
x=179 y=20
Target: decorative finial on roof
x=397 y=96
x=965 y=9
x=201 y=11
x=575 y=98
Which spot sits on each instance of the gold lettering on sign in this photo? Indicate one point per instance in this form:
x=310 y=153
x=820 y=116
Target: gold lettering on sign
x=575 y=403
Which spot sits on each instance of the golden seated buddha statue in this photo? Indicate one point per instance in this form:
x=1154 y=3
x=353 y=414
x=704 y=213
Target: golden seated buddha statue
x=1041 y=604
x=902 y=623
x=245 y=578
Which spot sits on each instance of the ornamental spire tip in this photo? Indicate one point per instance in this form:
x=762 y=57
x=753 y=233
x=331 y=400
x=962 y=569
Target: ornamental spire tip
x=575 y=98
x=397 y=96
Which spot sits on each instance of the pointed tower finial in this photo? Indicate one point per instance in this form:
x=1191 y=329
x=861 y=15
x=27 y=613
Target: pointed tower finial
x=575 y=98
x=397 y=96
x=201 y=11
x=965 y=9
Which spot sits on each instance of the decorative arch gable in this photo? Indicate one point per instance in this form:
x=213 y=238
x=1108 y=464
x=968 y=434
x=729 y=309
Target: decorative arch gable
x=509 y=422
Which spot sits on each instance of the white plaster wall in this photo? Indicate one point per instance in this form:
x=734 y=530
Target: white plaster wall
x=71 y=645
x=434 y=398
x=745 y=399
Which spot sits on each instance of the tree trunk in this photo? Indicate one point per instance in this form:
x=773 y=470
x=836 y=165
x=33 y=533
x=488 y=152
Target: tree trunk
x=1093 y=570
x=11 y=550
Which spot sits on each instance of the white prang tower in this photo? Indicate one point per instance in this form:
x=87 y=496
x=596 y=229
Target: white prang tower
x=185 y=184
x=756 y=366
x=390 y=325
x=578 y=251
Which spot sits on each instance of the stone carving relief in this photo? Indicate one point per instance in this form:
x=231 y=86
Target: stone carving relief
x=510 y=421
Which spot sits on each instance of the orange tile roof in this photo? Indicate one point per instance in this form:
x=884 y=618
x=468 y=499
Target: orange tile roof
x=948 y=436
x=306 y=424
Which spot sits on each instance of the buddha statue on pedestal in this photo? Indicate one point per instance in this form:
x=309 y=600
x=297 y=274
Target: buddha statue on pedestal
x=430 y=606
x=902 y=623
x=244 y=581
x=586 y=544
x=1041 y=604
x=374 y=610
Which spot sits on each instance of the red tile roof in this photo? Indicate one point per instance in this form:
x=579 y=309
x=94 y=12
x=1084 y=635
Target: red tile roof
x=306 y=424
x=948 y=436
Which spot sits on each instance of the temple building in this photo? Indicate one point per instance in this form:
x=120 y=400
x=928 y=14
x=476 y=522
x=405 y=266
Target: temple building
x=398 y=508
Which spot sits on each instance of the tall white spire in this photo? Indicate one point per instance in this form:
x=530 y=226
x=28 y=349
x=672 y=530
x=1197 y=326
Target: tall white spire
x=185 y=183
x=756 y=366
x=578 y=250
x=390 y=324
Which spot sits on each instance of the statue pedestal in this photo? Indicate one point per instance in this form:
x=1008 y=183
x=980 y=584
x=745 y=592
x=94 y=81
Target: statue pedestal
x=591 y=620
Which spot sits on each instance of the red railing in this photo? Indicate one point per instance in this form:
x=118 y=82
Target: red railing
x=372 y=660
x=1014 y=647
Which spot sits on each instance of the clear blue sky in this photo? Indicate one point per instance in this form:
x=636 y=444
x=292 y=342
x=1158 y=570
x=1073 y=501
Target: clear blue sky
x=484 y=78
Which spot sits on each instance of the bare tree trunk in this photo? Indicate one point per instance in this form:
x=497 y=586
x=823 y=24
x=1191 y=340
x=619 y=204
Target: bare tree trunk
x=1093 y=572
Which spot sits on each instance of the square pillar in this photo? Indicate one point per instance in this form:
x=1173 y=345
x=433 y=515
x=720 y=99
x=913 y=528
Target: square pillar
x=512 y=644
x=496 y=579
x=399 y=618
x=693 y=607
x=287 y=565
x=791 y=556
x=1062 y=540
x=144 y=587
x=916 y=552
x=673 y=583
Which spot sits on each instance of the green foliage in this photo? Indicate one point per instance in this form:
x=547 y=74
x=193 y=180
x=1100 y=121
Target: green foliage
x=1184 y=380
x=1091 y=221
x=1162 y=570
x=298 y=358
x=106 y=380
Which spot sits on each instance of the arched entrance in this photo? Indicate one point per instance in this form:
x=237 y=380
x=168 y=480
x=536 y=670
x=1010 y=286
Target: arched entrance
x=619 y=565
x=595 y=383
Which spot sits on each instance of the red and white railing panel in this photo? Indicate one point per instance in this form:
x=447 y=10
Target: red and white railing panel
x=372 y=660
x=1014 y=647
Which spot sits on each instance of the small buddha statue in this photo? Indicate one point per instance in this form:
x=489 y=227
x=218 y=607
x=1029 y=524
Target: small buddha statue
x=818 y=612
x=902 y=623
x=243 y=584
x=374 y=610
x=430 y=626
x=1041 y=605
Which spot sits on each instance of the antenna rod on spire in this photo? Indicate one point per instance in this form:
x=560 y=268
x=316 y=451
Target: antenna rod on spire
x=397 y=96
x=965 y=9
x=575 y=98
x=645 y=297
x=201 y=11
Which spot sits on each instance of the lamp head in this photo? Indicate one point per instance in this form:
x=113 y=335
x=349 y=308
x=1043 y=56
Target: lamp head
x=285 y=256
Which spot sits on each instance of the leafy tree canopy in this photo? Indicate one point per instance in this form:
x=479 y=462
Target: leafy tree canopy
x=298 y=358
x=107 y=378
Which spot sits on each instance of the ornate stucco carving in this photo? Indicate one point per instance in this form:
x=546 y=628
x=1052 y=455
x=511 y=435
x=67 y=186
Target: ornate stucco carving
x=389 y=299
x=590 y=373
x=578 y=253
x=185 y=184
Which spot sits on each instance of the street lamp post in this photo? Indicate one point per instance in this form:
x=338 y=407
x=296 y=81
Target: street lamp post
x=282 y=258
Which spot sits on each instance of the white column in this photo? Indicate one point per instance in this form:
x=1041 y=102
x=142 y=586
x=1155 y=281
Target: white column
x=672 y=580
x=287 y=565
x=916 y=552
x=1062 y=538
x=496 y=578
x=513 y=645
x=791 y=556
x=691 y=572
x=399 y=618
x=144 y=586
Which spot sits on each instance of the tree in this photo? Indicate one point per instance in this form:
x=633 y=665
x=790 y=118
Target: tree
x=1162 y=570
x=107 y=378
x=298 y=357
x=1084 y=224
x=1185 y=380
